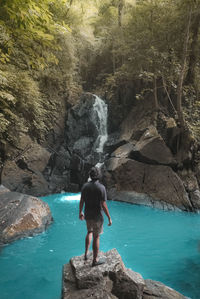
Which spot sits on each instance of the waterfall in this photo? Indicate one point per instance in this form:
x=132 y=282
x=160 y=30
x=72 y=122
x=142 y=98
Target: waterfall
x=100 y=108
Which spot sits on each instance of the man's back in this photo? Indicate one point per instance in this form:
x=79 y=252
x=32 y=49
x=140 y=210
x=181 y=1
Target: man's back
x=93 y=193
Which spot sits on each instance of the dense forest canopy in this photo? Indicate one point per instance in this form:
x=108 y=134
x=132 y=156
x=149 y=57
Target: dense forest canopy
x=53 y=49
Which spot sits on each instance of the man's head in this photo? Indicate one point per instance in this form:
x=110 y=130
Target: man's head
x=94 y=173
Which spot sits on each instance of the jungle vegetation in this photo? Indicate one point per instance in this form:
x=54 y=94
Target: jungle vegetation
x=51 y=50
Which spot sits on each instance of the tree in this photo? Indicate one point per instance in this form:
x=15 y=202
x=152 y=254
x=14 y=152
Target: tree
x=182 y=71
x=29 y=25
x=193 y=56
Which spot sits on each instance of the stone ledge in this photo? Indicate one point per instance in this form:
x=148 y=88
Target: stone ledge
x=109 y=281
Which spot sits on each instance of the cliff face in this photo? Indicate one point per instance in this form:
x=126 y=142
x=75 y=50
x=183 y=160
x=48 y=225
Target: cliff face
x=110 y=280
x=148 y=158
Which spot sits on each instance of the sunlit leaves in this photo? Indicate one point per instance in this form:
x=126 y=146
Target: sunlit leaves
x=28 y=22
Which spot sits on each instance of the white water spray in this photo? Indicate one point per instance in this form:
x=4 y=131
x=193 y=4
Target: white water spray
x=100 y=107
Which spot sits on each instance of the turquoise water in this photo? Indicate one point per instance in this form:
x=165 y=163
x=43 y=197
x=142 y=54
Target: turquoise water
x=163 y=246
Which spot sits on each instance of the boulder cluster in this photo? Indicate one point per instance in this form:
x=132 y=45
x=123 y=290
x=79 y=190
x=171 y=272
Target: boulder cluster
x=151 y=161
x=111 y=280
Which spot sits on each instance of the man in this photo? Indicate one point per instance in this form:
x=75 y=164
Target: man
x=94 y=197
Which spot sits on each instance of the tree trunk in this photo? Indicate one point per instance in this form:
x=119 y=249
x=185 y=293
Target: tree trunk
x=113 y=61
x=155 y=92
x=190 y=78
x=182 y=72
x=120 y=8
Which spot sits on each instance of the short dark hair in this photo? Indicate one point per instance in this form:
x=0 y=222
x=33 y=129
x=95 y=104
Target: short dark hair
x=94 y=173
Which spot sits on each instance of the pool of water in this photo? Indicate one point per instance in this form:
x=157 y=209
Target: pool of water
x=163 y=246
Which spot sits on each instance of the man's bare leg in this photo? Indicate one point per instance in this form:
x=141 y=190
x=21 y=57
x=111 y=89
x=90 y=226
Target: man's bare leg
x=95 y=247
x=88 y=240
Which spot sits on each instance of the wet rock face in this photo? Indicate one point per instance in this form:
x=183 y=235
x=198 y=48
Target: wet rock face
x=81 y=126
x=79 y=148
x=110 y=280
x=21 y=215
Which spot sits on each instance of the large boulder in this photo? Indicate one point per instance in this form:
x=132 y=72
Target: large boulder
x=157 y=290
x=81 y=126
x=158 y=183
x=21 y=215
x=152 y=149
x=109 y=281
x=24 y=172
x=82 y=144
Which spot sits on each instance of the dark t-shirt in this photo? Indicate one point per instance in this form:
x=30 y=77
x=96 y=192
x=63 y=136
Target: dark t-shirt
x=93 y=193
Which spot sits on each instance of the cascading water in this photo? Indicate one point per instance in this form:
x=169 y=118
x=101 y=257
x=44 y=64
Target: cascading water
x=101 y=109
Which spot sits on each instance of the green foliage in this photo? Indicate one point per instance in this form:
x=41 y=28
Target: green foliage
x=38 y=66
x=30 y=26
x=21 y=107
x=49 y=48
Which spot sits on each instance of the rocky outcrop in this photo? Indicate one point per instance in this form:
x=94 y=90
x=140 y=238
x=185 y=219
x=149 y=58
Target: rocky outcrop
x=81 y=126
x=61 y=163
x=150 y=161
x=152 y=149
x=21 y=215
x=69 y=165
x=136 y=182
x=24 y=172
x=110 y=280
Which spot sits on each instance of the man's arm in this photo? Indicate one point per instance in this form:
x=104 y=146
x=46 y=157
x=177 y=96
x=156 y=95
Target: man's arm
x=81 y=204
x=105 y=209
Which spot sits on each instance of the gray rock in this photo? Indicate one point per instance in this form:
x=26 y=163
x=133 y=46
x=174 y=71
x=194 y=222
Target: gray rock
x=81 y=126
x=102 y=281
x=3 y=189
x=140 y=199
x=109 y=281
x=159 y=183
x=157 y=290
x=21 y=216
x=123 y=151
x=152 y=149
x=114 y=141
x=195 y=199
x=25 y=173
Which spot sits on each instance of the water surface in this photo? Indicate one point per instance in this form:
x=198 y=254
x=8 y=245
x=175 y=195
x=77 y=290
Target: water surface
x=163 y=246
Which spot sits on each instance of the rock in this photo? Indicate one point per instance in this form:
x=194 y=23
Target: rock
x=139 y=199
x=25 y=173
x=137 y=121
x=21 y=216
x=114 y=141
x=81 y=140
x=159 y=183
x=110 y=280
x=123 y=151
x=191 y=185
x=195 y=199
x=69 y=165
x=24 y=180
x=81 y=126
x=157 y=290
x=152 y=149
x=3 y=189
